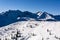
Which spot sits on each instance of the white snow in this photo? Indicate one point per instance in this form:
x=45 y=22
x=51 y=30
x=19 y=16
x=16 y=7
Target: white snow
x=49 y=17
x=18 y=18
x=31 y=30
x=39 y=14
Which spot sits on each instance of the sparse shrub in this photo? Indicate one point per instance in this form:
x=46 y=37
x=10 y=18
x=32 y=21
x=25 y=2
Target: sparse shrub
x=17 y=35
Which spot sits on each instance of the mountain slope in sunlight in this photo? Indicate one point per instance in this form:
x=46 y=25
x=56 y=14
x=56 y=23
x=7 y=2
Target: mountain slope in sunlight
x=31 y=30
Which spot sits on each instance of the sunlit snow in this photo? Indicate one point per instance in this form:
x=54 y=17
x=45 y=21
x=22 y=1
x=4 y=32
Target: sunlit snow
x=31 y=30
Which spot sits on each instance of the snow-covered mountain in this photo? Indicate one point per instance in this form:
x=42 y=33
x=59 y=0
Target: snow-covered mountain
x=44 y=16
x=16 y=15
x=18 y=25
x=12 y=16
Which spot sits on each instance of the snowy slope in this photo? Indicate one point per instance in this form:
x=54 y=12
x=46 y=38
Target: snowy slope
x=18 y=25
x=31 y=30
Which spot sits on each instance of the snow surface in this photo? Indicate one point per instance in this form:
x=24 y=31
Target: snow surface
x=31 y=30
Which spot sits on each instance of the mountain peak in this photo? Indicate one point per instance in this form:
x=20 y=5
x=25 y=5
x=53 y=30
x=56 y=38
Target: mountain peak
x=17 y=15
x=44 y=15
x=39 y=13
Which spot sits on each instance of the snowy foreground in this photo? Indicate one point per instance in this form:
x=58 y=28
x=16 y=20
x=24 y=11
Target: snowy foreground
x=31 y=30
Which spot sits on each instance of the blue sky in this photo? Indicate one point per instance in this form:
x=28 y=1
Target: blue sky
x=50 y=6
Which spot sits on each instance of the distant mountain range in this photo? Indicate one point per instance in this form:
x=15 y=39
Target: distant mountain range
x=12 y=16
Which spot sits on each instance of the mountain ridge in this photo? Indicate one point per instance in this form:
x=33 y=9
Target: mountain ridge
x=12 y=16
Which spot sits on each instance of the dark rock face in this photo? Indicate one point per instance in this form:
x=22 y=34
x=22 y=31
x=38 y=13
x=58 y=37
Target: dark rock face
x=11 y=16
x=57 y=17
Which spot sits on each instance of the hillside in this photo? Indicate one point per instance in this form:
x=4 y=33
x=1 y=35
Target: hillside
x=31 y=30
x=18 y=25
